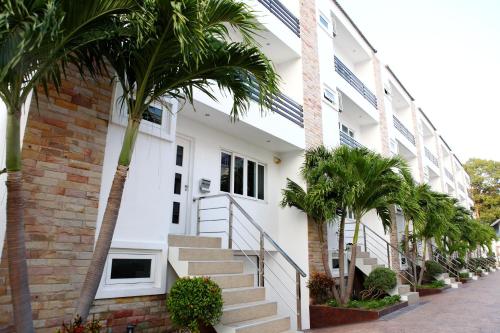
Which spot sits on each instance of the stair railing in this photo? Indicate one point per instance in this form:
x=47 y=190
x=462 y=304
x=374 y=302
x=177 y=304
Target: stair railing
x=444 y=262
x=245 y=235
x=375 y=244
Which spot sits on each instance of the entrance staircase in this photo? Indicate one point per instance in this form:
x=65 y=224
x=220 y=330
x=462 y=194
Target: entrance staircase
x=366 y=263
x=375 y=252
x=261 y=285
x=246 y=309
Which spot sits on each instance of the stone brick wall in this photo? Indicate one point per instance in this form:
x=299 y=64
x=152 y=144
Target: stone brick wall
x=379 y=92
x=62 y=155
x=312 y=107
x=310 y=74
x=419 y=142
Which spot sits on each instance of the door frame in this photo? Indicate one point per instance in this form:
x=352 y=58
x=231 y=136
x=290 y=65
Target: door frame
x=189 y=195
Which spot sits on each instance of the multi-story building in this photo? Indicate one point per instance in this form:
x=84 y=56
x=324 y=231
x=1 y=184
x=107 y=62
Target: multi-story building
x=335 y=91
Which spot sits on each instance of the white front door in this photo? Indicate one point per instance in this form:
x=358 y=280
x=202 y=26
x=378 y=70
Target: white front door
x=178 y=222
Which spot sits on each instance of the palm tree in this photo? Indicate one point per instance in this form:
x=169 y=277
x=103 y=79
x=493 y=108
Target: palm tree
x=37 y=40
x=355 y=179
x=187 y=46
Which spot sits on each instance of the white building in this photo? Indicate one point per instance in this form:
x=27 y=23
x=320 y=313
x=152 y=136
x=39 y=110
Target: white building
x=196 y=151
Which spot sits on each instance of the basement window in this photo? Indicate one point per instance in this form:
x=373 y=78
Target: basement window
x=153 y=115
x=125 y=268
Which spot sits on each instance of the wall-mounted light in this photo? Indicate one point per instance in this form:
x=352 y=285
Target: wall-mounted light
x=205 y=185
x=276 y=160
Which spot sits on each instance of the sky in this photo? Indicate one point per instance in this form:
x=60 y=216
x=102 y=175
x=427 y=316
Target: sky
x=447 y=54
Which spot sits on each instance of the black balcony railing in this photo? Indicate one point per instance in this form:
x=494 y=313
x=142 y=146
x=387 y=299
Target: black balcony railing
x=347 y=140
x=430 y=156
x=448 y=174
x=282 y=105
x=402 y=128
x=356 y=83
x=281 y=12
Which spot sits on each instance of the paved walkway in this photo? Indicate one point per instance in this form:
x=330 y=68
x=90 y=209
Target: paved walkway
x=473 y=308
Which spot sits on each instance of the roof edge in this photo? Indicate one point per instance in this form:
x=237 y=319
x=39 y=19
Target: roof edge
x=399 y=82
x=427 y=118
x=355 y=26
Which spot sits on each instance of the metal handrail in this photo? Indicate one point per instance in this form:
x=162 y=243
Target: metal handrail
x=263 y=235
x=347 y=140
x=443 y=262
x=431 y=157
x=388 y=248
x=403 y=130
x=283 y=14
x=354 y=81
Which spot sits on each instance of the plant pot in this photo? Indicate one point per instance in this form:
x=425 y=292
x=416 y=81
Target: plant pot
x=431 y=291
x=328 y=316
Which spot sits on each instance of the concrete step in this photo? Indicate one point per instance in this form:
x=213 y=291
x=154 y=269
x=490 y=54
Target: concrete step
x=194 y=241
x=230 y=281
x=204 y=254
x=411 y=297
x=456 y=284
x=362 y=254
x=403 y=289
x=272 y=324
x=248 y=311
x=442 y=276
x=475 y=277
x=370 y=261
x=243 y=295
x=215 y=267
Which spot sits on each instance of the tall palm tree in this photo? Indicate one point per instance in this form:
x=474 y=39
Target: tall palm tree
x=355 y=179
x=37 y=40
x=377 y=182
x=187 y=46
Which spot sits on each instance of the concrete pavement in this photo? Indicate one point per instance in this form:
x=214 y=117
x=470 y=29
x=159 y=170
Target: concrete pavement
x=473 y=308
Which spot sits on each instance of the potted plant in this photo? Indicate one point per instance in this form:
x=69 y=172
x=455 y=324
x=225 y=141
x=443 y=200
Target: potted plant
x=194 y=303
x=77 y=325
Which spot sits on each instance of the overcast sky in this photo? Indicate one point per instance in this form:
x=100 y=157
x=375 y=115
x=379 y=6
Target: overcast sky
x=447 y=54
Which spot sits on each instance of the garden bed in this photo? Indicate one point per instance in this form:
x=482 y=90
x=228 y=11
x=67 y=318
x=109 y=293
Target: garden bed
x=326 y=315
x=423 y=291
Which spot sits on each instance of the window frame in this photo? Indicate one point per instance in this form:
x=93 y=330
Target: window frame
x=111 y=256
x=245 y=175
x=349 y=130
x=164 y=131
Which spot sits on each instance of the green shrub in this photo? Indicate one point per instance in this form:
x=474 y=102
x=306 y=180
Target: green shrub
x=380 y=281
x=320 y=287
x=433 y=285
x=433 y=268
x=369 y=304
x=195 y=301
x=463 y=275
x=460 y=262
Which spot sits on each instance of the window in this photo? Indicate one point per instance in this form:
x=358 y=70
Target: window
x=153 y=114
x=125 y=268
x=242 y=176
x=329 y=95
x=179 y=156
x=346 y=130
x=177 y=183
x=225 y=172
x=176 y=209
x=323 y=21
x=238 y=175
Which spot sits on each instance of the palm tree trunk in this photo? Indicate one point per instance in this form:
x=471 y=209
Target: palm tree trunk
x=16 y=247
x=352 y=264
x=422 y=268
x=94 y=273
x=342 y=253
x=324 y=249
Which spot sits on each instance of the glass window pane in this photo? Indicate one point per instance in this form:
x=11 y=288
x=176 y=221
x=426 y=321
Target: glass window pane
x=153 y=115
x=179 y=156
x=176 y=212
x=238 y=175
x=351 y=134
x=344 y=129
x=261 y=182
x=225 y=172
x=130 y=268
x=177 y=183
x=251 y=179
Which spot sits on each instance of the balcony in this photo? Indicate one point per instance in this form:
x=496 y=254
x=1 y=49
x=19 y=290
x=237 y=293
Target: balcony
x=283 y=14
x=403 y=130
x=282 y=105
x=462 y=188
x=356 y=83
x=346 y=140
x=448 y=174
x=430 y=156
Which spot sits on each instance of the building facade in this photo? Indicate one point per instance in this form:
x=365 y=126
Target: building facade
x=335 y=91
